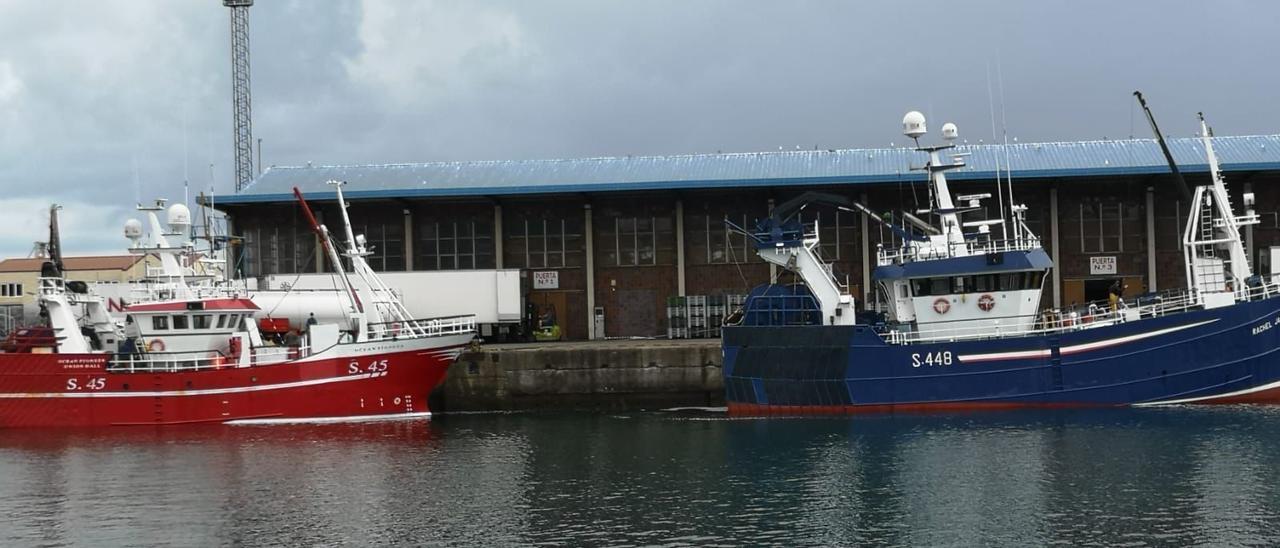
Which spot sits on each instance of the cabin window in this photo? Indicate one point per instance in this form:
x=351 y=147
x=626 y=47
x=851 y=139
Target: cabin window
x=202 y=321
x=939 y=286
x=179 y=321
x=902 y=291
x=222 y=321
x=1033 y=280
x=1010 y=282
x=160 y=323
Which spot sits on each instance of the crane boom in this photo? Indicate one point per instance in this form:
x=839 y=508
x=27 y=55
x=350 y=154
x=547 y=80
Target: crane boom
x=1164 y=147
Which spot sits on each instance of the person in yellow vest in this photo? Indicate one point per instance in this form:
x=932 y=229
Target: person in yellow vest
x=1114 y=295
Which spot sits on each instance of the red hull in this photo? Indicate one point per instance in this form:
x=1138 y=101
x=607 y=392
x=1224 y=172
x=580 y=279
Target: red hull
x=77 y=390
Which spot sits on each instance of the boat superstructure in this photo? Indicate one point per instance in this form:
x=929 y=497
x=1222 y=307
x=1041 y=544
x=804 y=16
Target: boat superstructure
x=194 y=353
x=963 y=323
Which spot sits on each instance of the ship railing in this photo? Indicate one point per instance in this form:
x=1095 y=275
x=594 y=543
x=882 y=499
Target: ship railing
x=781 y=310
x=424 y=327
x=157 y=291
x=169 y=362
x=204 y=360
x=915 y=251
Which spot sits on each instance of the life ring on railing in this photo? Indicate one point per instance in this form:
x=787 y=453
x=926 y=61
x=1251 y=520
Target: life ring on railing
x=986 y=302
x=941 y=306
x=155 y=345
x=395 y=329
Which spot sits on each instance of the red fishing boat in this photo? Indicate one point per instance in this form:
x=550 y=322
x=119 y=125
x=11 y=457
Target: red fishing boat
x=199 y=357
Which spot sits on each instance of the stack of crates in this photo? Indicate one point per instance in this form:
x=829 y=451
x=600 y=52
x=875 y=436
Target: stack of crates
x=697 y=305
x=716 y=311
x=700 y=316
x=677 y=318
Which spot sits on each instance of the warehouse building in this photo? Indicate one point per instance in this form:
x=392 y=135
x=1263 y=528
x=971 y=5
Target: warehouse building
x=20 y=281
x=617 y=238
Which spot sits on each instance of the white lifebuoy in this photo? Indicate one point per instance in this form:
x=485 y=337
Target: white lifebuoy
x=941 y=306
x=155 y=345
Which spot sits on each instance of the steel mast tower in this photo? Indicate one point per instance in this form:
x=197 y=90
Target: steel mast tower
x=242 y=112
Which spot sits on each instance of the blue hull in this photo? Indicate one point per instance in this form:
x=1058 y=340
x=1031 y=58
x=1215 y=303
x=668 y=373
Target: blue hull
x=1224 y=355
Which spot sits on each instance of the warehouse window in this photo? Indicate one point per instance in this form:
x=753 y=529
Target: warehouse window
x=455 y=245
x=712 y=242
x=270 y=247
x=386 y=243
x=10 y=290
x=1102 y=227
x=541 y=242
x=835 y=231
x=635 y=240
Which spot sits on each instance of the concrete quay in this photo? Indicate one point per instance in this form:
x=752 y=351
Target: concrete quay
x=612 y=374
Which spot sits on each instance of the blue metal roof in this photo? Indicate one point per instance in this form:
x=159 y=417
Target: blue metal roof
x=749 y=169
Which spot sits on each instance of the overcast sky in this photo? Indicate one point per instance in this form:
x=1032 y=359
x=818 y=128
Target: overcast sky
x=103 y=103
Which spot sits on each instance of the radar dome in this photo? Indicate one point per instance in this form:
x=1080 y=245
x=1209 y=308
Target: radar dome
x=179 y=217
x=913 y=124
x=949 y=131
x=133 y=229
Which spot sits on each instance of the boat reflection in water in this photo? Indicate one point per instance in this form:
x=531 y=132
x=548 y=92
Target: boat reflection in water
x=1164 y=476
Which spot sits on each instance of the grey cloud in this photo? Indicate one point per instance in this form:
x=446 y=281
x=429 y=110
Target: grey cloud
x=347 y=81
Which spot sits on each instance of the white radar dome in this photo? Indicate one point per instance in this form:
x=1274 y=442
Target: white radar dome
x=179 y=217
x=913 y=124
x=949 y=131
x=133 y=229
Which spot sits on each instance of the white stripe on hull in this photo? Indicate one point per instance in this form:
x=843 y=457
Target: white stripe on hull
x=1207 y=399
x=203 y=392
x=1077 y=348
x=328 y=420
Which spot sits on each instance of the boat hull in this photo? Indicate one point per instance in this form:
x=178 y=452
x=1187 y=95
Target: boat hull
x=1219 y=356
x=373 y=380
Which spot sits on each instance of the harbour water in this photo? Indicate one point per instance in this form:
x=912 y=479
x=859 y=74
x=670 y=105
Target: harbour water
x=1135 y=477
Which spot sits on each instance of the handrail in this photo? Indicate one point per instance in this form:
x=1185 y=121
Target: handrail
x=425 y=327
x=150 y=362
x=912 y=251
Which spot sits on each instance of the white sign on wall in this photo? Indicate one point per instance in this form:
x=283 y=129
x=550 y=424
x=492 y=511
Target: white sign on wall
x=1102 y=265
x=547 y=279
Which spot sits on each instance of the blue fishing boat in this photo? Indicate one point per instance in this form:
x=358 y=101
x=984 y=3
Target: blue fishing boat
x=962 y=327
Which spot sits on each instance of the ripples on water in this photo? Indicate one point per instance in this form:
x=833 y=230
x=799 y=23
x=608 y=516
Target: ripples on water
x=1149 y=477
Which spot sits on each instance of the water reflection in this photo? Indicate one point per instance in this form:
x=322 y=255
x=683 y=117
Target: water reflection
x=1141 y=477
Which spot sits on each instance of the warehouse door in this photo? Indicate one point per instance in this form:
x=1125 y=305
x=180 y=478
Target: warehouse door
x=1091 y=290
x=552 y=304
x=635 y=316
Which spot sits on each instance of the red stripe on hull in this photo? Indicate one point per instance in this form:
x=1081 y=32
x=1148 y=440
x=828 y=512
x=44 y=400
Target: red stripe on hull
x=757 y=410
x=77 y=390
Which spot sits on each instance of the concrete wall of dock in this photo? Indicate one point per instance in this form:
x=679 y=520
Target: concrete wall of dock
x=604 y=375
